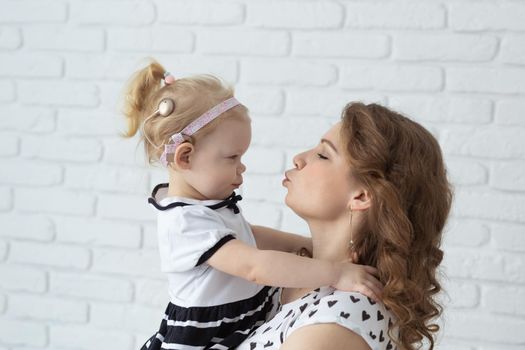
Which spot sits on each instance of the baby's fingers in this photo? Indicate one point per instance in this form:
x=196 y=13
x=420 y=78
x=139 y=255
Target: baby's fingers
x=371 y=270
x=367 y=291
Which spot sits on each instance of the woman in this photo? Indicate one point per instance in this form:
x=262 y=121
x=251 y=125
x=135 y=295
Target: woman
x=373 y=190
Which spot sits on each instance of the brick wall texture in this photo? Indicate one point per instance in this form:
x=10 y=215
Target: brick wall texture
x=78 y=251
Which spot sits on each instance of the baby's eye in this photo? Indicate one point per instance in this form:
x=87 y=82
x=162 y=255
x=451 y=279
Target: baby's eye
x=321 y=156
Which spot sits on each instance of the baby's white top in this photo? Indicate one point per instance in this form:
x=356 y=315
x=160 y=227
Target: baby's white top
x=185 y=234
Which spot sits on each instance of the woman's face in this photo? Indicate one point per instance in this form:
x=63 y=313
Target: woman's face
x=320 y=186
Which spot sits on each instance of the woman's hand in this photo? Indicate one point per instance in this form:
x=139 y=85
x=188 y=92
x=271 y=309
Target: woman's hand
x=359 y=278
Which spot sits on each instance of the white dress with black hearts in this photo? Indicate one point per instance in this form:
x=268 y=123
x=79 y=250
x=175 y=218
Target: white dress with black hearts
x=353 y=311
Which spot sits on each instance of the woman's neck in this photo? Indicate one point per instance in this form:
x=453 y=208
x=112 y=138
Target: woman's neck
x=330 y=239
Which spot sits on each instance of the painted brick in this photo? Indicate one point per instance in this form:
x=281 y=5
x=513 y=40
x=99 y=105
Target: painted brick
x=36 y=120
x=59 y=93
x=466 y=233
x=249 y=42
x=106 y=178
x=444 y=47
x=24 y=279
x=87 y=337
x=127 y=317
x=15 y=172
x=509 y=237
x=61 y=148
x=391 y=78
x=90 y=287
x=158 y=39
x=395 y=15
x=496 y=142
x=57 y=255
x=10 y=38
x=489 y=205
x=56 y=38
x=47 y=308
x=27 y=227
x=340 y=45
x=444 y=110
x=127 y=262
x=508 y=175
x=56 y=201
x=35 y=65
x=152 y=292
x=294 y=14
x=6 y=199
x=7 y=93
x=510 y=112
x=200 y=12
x=33 y=11
x=97 y=232
x=260 y=101
x=114 y=12
x=484 y=16
x=14 y=332
x=288 y=73
x=490 y=80
x=513 y=49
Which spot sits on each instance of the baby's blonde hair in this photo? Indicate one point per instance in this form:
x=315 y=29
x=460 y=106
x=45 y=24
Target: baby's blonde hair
x=193 y=96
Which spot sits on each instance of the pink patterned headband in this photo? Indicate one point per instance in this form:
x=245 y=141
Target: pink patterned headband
x=194 y=126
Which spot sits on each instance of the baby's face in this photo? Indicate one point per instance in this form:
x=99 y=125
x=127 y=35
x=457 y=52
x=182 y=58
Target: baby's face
x=216 y=165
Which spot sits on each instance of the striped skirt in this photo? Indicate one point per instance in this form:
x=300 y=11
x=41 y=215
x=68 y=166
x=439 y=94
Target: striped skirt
x=213 y=327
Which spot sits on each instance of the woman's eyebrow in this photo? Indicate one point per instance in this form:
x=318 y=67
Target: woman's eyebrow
x=329 y=143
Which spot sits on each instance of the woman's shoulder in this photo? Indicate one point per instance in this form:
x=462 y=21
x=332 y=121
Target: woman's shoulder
x=354 y=311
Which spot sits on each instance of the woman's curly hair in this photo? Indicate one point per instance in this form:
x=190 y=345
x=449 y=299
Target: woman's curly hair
x=401 y=165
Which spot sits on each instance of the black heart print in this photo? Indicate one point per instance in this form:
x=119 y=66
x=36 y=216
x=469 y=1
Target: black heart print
x=354 y=299
x=381 y=338
x=371 y=301
x=365 y=316
x=372 y=335
x=379 y=315
x=302 y=307
x=267 y=345
x=253 y=346
x=332 y=303
x=343 y=315
x=312 y=313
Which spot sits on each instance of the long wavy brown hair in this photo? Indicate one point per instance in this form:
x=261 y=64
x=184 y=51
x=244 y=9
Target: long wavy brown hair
x=401 y=165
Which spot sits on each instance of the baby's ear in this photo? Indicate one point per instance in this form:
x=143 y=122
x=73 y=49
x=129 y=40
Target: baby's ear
x=181 y=157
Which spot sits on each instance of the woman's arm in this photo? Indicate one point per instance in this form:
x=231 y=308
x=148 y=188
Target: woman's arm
x=272 y=239
x=273 y=268
x=324 y=336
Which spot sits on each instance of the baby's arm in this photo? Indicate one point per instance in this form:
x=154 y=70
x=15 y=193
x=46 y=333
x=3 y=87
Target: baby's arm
x=269 y=238
x=269 y=267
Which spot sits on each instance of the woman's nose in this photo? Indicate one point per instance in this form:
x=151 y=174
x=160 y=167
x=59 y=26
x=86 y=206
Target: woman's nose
x=298 y=161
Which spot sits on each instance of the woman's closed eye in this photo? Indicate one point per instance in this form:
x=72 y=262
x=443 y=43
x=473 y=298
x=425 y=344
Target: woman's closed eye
x=233 y=157
x=321 y=156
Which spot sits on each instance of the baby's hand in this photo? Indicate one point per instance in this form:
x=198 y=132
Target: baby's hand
x=359 y=278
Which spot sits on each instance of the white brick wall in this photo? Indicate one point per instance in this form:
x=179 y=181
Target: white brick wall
x=78 y=258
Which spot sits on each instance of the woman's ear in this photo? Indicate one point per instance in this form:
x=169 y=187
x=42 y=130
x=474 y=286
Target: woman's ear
x=360 y=200
x=182 y=156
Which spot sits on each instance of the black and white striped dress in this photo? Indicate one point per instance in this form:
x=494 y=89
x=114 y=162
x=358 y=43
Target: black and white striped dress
x=208 y=309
